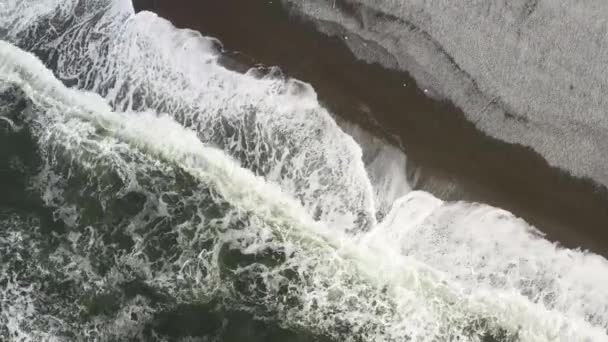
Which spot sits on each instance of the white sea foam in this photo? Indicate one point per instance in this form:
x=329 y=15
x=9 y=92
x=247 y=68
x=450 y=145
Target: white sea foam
x=408 y=277
x=18 y=309
x=525 y=58
x=271 y=125
x=482 y=247
x=429 y=271
x=386 y=167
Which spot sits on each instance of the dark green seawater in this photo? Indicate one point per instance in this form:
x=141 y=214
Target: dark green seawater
x=150 y=194
x=23 y=214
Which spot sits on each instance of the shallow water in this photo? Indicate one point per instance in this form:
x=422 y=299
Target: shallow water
x=446 y=154
x=159 y=196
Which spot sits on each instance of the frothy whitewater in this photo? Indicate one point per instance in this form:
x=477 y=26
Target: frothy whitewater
x=177 y=188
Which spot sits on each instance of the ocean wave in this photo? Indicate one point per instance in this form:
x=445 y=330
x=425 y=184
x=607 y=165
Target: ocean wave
x=162 y=197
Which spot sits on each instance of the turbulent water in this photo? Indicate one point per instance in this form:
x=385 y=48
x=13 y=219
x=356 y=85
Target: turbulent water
x=154 y=195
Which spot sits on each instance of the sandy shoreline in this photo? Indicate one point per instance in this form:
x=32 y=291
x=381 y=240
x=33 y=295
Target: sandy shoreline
x=527 y=72
x=440 y=143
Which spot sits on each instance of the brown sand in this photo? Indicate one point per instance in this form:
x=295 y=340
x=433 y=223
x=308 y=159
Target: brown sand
x=441 y=145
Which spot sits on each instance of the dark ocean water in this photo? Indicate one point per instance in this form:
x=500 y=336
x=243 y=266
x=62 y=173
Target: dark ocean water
x=30 y=232
x=150 y=194
x=447 y=154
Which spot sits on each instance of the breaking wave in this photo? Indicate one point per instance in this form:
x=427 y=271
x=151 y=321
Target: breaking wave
x=166 y=195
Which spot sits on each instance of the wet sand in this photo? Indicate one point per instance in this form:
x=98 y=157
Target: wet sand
x=442 y=146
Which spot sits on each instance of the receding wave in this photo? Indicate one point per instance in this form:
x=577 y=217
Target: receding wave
x=271 y=125
x=175 y=186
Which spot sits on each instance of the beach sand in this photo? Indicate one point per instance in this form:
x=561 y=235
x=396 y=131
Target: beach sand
x=447 y=154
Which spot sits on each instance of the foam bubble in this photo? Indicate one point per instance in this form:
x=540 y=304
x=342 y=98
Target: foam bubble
x=155 y=215
x=271 y=125
x=484 y=248
x=129 y=190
